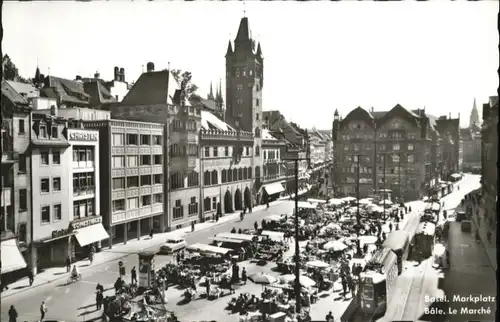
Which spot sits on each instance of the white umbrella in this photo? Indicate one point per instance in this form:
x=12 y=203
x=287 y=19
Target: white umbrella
x=335 y=246
x=333 y=226
x=348 y=199
x=335 y=201
x=262 y=278
x=364 y=201
x=318 y=264
x=387 y=202
x=367 y=239
x=304 y=280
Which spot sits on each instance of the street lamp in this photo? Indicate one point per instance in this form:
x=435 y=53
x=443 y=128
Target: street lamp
x=296 y=160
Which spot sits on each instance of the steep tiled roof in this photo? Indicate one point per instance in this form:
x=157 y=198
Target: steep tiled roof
x=12 y=95
x=465 y=134
x=378 y=114
x=208 y=104
x=211 y=122
x=98 y=92
x=152 y=88
x=25 y=90
x=266 y=135
x=66 y=90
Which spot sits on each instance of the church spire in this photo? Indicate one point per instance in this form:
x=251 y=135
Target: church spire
x=220 y=92
x=229 y=49
x=211 y=94
x=474 y=116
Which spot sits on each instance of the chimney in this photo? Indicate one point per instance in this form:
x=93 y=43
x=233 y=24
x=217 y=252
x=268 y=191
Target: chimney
x=117 y=73
x=53 y=110
x=96 y=75
x=122 y=74
x=150 y=67
x=78 y=77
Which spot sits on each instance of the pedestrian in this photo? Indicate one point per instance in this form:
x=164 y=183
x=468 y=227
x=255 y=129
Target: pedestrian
x=151 y=233
x=98 y=300
x=233 y=231
x=12 y=314
x=133 y=276
x=397 y=226
x=4 y=283
x=213 y=217
x=30 y=276
x=329 y=317
x=192 y=226
x=344 y=286
x=244 y=275
x=208 y=288
x=43 y=311
x=250 y=208
x=390 y=227
x=178 y=257
x=99 y=288
x=68 y=264
x=256 y=226
x=365 y=248
x=182 y=255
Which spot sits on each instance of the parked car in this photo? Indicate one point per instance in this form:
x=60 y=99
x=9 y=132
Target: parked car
x=173 y=245
x=466 y=226
x=460 y=215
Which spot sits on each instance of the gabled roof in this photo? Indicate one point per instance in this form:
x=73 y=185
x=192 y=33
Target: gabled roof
x=65 y=90
x=208 y=104
x=358 y=113
x=153 y=88
x=400 y=111
x=266 y=135
x=25 y=90
x=12 y=95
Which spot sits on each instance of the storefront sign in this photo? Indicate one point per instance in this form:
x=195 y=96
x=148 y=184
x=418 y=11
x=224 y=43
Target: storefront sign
x=60 y=233
x=87 y=222
x=83 y=136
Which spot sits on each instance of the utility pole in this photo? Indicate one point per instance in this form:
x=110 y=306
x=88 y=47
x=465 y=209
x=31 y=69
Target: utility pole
x=298 y=299
x=358 y=216
x=383 y=196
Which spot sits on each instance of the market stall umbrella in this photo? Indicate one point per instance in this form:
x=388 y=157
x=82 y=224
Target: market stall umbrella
x=335 y=245
x=317 y=264
x=367 y=239
x=348 y=199
x=262 y=278
x=365 y=201
x=335 y=201
x=333 y=226
x=387 y=202
x=304 y=280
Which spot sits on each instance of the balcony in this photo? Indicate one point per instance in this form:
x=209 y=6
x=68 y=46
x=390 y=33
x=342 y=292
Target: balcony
x=9 y=157
x=82 y=191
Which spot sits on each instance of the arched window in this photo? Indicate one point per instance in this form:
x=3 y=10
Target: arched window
x=240 y=174
x=206 y=204
x=257 y=172
x=257 y=150
x=206 y=178
x=215 y=180
x=249 y=173
x=257 y=102
x=245 y=173
x=257 y=132
x=229 y=176
x=235 y=175
x=224 y=177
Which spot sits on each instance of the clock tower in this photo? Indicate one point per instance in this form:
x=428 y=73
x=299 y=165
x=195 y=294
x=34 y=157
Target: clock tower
x=244 y=83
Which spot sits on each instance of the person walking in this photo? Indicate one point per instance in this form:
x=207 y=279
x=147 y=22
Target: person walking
x=133 y=276
x=390 y=227
x=31 y=278
x=68 y=264
x=151 y=233
x=244 y=276
x=12 y=314
x=43 y=311
x=98 y=300
x=256 y=226
x=329 y=317
x=344 y=285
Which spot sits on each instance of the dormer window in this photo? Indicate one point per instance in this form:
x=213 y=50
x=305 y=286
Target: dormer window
x=54 y=134
x=43 y=131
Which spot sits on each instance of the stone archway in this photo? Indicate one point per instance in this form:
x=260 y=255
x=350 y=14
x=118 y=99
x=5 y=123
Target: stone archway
x=247 y=198
x=237 y=200
x=228 y=203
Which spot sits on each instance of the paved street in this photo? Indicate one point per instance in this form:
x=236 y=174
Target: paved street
x=68 y=302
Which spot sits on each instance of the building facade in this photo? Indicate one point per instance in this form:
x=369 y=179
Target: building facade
x=274 y=168
x=489 y=160
x=15 y=206
x=385 y=150
x=470 y=140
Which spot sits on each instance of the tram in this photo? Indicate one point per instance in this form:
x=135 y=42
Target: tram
x=376 y=281
x=399 y=242
x=425 y=239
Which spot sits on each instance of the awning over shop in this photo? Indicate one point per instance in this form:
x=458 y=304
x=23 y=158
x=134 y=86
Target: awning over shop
x=90 y=234
x=12 y=259
x=305 y=205
x=273 y=188
x=456 y=175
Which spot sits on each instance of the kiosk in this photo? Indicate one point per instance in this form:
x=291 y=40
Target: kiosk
x=146 y=269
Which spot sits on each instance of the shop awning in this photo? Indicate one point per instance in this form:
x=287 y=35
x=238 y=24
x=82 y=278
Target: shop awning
x=90 y=234
x=305 y=205
x=12 y=259
x=456 y=175
x=273 y=188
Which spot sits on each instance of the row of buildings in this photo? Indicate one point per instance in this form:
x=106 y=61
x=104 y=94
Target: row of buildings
x=90 y=162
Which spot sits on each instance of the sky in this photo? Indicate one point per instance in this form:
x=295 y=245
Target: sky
x=318 y=56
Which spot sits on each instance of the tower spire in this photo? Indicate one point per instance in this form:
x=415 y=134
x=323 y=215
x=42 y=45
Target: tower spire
x=211 y=94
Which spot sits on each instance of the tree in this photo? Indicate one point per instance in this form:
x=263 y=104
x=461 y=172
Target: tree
x=184 y=80
x=10 y=71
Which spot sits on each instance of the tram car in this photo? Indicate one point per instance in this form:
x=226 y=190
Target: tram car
x=434 y=207
x=399 y=242
x=425 y=239
x=376 y=281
